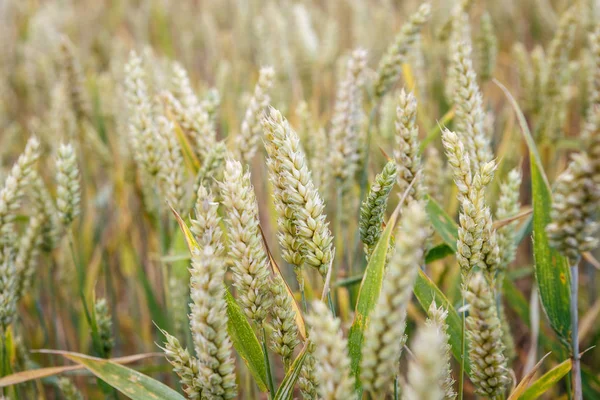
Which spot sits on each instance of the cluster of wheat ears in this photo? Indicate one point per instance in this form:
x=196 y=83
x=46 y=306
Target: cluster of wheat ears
x=370 y=226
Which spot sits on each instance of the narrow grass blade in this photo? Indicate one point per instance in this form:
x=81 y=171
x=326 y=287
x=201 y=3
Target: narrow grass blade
x=426 y=292
x=518 y=391
x=245 y=342
x=286 y=389
x=546 y=381
x=131 y=383
x=33 y=374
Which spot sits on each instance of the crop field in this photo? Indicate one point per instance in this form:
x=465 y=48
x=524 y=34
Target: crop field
x=299 y=199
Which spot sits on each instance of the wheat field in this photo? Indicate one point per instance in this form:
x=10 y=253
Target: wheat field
x=299 y=199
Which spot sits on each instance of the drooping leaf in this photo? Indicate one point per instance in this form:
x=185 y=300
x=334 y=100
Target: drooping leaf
x=551 y=268
x=426 y=292
x=131 y=383
x=546 y=381
x=516 y=393
x=443 y=224
x=32 y=374
x=286 y=389
x=367 y=298
x=245 y=341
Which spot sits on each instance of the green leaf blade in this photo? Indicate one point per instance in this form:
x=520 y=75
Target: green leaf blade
x=551 y=268
x=546 y=381
x=131 y=383
x=443 y=224
x=245 y=341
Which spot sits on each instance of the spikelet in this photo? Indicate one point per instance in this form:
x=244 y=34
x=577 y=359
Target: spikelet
x=284 y=337
x=384 y=335
x=299 y=206
x=172 y=168
x=68 y=389
x=558 y=53
x=507 y=337
x=390 y=65
x=51 y=230
x=68 y=194
x=539 y=67
x=345 y=122
x=557 y=63
x=592 y=120
x=469 y=109
x=104 y=324
x=184 y=365
x=308 y=381
x=212 y=167
x=425 y=371
x=61 y=117
x=248 y=140
x=459 y=34
x=489 y=371
x=14 y=186
x=574 y=227
x=372 y=210
x=75 y=81
x=142 y=129
x=487 y=47
x=28 y=250
x=250 y=264
x=508 y=206
x=477 y=243
x=319 y=163
x=208 y=324
x=406 y=152
x=178 y=294
x=449 y=27
x=189 y=112
x=211 y=103
x=434 y=175
x=436 y=317
x=206 y=226
x=469 y=230
x=182 y=87
x=331 y=354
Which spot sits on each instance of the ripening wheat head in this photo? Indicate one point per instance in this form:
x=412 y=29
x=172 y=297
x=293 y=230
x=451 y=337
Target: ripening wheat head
x=68 y=194
x=390 y=65
x=407 y=150
x=425 y=371
x=346 y=119
x=384 y=335
x=331 y=354
x=298 y=203
x=249 y=138
x=574 y=226
x=208 y=324
x=372 y=210
x=489 y=372
x=250 y=264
